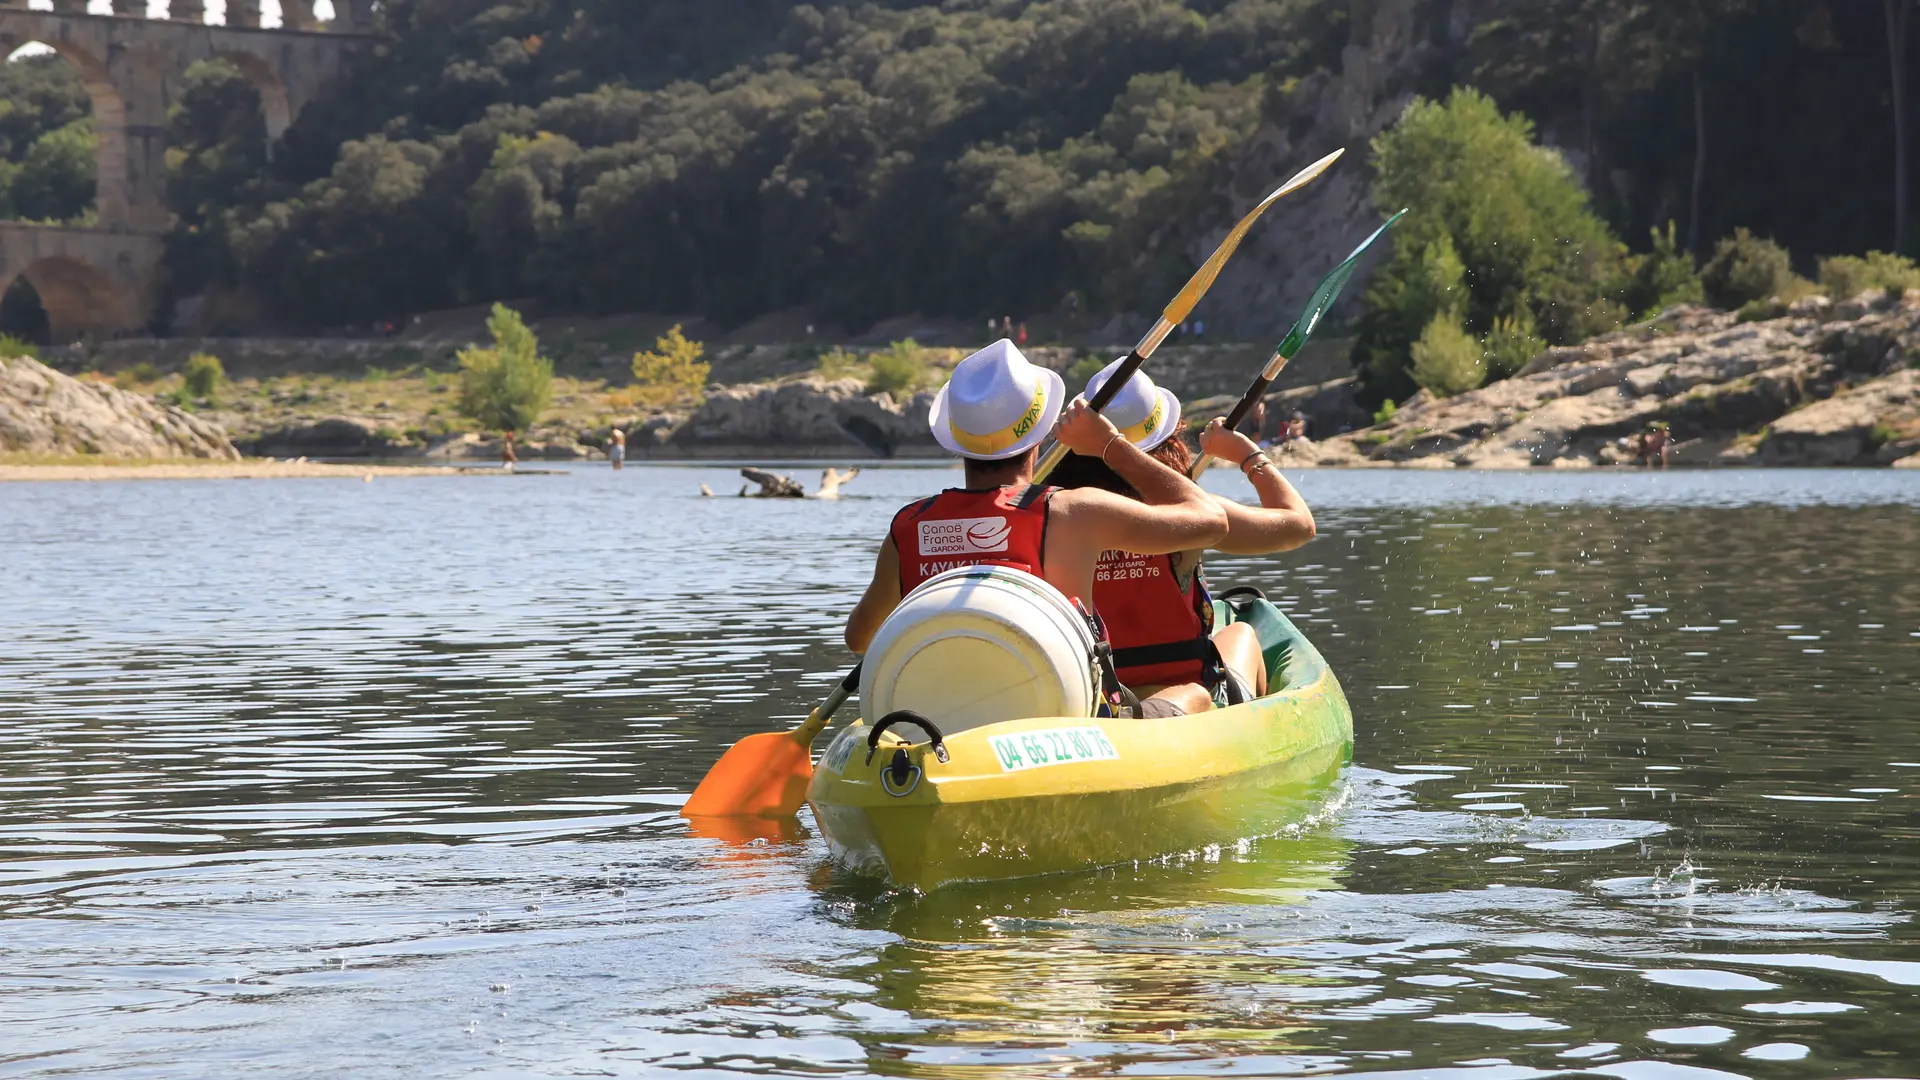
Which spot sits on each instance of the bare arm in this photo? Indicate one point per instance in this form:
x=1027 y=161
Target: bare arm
x=1172 y=513
x=1282 y=521
x=881 y=597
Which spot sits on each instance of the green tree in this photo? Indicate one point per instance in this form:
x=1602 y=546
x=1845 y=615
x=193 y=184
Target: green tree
x=1505 y=211
x=203 y=376
x=1661 y=278
x=671 y=374
x=1510 y=344
x=900 y=370
x=1446 y=359
x=506 y=387
x=1745 y=268
x=55 y=180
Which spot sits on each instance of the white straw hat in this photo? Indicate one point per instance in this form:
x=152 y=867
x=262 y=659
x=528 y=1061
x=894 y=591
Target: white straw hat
x=997 y=405
x=1146 y=414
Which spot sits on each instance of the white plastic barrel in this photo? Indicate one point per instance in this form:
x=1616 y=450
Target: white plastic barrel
x=979 y=645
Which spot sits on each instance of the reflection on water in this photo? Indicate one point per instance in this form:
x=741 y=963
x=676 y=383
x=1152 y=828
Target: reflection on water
x=327 y=778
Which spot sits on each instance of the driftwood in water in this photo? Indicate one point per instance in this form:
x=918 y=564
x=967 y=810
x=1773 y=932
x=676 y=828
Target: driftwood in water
x=830 y=482
x=772 y=486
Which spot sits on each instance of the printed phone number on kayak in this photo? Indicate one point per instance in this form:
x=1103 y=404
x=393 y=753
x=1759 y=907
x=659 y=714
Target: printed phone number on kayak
x=1054 y=746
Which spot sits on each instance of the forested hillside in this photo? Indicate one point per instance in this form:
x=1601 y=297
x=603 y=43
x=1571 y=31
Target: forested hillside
x=733 y=157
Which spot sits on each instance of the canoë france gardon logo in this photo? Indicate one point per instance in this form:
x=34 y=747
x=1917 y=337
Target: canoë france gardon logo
x=965 y=536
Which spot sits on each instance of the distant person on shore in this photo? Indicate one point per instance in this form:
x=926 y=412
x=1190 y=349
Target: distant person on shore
x=1021 y=337
x=1655 y=445
x=507 y=457
x=617 y=450
x=1297 y=426
x=1006 y=327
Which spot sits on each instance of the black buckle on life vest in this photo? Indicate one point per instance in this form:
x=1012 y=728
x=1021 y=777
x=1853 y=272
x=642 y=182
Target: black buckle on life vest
x=1121 y=702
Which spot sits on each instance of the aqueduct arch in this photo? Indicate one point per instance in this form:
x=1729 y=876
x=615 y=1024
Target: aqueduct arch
x=132 y=67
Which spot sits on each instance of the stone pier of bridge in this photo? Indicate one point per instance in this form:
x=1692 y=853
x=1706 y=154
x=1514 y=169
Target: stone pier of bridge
x=103 y=281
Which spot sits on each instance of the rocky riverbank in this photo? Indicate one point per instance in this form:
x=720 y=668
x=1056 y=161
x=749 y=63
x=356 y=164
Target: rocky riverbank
x=44 y=413
x=1826 y=384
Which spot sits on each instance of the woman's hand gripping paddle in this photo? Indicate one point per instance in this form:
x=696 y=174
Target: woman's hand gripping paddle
x=1183 y=304
x=766 y=775
x=1323 y=297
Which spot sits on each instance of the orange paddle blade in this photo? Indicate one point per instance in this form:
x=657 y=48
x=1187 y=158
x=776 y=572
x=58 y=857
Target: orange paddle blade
x=762 y=775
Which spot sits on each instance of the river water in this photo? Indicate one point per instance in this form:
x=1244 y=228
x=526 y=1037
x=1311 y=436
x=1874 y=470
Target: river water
x=320 y=778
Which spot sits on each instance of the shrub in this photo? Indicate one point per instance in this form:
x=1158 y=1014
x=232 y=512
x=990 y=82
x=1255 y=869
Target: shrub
x=1661 y=278
x=1446 y=359
x=1385 y=413
x=1845 y=276
x=1510 y=344
x=1082 y=370
x=841 y=364
x=672 y=373
x=142 y=372
x=203 y=376
x=902 y=369
x=508 y=386
x=11 y=346
x=1744 y=268
x=1499 y=224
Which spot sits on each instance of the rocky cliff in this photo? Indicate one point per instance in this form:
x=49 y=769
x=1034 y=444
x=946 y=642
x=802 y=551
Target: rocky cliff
x=1391 y=46
x=43 y=412
x=1829 y=384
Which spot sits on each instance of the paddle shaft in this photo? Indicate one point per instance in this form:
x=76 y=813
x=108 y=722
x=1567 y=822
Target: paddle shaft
x=1323 y=297
x=1058 y=453
x=817 y=720
x=1248 y=400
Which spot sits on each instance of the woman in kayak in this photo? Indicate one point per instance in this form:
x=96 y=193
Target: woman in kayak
x=1158 y=613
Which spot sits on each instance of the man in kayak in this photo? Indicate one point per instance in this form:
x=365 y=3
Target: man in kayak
x=993 y=414
x=1158 y=613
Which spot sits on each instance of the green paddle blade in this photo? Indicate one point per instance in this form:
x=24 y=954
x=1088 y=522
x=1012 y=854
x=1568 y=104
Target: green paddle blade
x=1326 y=294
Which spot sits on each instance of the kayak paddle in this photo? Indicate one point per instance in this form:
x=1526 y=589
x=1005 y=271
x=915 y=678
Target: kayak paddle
x=767 y=774
x=1323 y=297
x=1190 y=295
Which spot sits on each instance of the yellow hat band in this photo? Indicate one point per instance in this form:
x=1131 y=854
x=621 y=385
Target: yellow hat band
x=997 y=441
x=1139 y=432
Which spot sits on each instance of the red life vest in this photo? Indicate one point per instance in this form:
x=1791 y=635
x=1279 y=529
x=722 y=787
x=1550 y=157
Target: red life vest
x=1160 y=632
x=1001 y=527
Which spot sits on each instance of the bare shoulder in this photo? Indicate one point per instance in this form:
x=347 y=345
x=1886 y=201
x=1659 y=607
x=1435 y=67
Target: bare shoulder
x=1091 y=502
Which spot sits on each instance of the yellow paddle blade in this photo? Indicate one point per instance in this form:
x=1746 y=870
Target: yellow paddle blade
x=1202 y=279
x=763 y=775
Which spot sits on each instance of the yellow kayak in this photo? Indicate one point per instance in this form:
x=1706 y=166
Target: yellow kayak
x=1051 y=794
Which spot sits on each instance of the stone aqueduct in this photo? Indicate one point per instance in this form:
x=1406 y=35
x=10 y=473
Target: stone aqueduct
x=104 y=281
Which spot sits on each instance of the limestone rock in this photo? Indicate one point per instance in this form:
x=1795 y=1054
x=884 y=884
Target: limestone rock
x=1786 y=391
x=333 y=436
x=45 y=412
x=808 y=416
x=1844 y=429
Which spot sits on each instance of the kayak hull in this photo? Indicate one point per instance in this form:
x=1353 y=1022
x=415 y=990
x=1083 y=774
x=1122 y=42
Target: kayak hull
x=1053 y=794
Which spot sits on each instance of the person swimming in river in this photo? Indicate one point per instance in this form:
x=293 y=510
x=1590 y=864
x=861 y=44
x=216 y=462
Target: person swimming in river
x=993 y=415
x=1157 y=610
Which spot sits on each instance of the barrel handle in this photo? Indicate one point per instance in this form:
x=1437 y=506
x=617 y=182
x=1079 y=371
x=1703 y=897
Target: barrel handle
x=906 y=716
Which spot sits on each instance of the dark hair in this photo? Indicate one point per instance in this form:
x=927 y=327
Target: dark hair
x=1078 y=472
